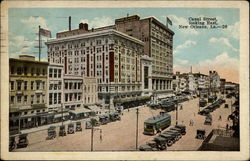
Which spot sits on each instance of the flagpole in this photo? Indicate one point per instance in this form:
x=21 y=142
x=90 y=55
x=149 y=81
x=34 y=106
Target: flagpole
x=39 y=45
x=167 y=21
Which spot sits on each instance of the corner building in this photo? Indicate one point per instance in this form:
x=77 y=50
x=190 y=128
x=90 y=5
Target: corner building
x=110 y=56
x=158 y=45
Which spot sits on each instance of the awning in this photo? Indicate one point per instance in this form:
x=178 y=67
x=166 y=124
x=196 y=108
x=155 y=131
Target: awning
x=80 y=111
x=94 y=108
x=60 y=115
x=132 y=99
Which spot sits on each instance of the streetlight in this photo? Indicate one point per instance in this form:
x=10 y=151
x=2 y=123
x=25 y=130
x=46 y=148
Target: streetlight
x=136 y=140
x=92 y=134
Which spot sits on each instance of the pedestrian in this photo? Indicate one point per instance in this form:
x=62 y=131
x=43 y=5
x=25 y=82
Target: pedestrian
x=182 y=122
x=190 y=123
x=220 y=118
x=194 y=113
x=227 y=127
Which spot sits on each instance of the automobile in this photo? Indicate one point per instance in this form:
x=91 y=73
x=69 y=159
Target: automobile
x=178 y=132
x=146 y=148
x=160 y=142
x=175 y=134
x=12 y=143
x=114 y=116
x=226 y=106
x=104 y=119
x=23 y=141
x=204 y=112
x=170 y=139
x=153 y=145
x=78 y=126
x=176 y=129
x=182 y=127
x=200 y=134
x=62 y=131
x=71 y=128
x=88 y=125
x=208 y=121
x=51 y=133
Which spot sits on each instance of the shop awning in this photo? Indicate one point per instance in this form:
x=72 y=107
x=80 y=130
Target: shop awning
x=139 y=98
x=80 y=111
x=60 y=115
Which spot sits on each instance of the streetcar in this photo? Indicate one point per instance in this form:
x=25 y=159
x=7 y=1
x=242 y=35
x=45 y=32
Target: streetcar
x=156 y=124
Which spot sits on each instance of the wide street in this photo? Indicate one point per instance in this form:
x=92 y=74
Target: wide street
x=121 y=135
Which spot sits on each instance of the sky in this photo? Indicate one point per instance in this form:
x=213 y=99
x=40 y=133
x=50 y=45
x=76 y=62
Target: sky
x=203 y=49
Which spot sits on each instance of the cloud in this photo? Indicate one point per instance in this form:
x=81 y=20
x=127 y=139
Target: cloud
x=187 y=44
x=34 y=22
x=222 y=40
x=99 y=22
x=226 y=66
x=19 y=45
x=182 y=21
x=233 y=30
x=182 y=62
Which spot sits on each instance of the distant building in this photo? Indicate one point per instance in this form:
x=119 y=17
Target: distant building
x=214 y=81
x=28 y=87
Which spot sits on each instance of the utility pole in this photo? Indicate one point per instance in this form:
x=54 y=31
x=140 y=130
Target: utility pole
x=92 y=135
x=39 y=42
x=137 y=115
x=62 y=112
x=176 y=114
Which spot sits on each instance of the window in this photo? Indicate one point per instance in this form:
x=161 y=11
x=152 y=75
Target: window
x=37 y=98
x=66 y=85
x=25 y=85
x=19 y=70
x=66 y=97
x=50 y=98
x=59 y=73
x=50 y=72
x=59 y=98
x=12 y=70
x=19 y=85
x=12 y=99
x=12 y=85
x=37 y=85
x=55 y=98
x=31 y=99
x=43 y=98
x=44 y=72
x=19 y=99
x=43 y=84
x=25 y=99
x=38 y=71
x=25 y=70
x=32 y=71
x=55 y=73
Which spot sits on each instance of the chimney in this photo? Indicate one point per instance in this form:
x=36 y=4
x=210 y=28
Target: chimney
x=83 y=26
x=69 y=23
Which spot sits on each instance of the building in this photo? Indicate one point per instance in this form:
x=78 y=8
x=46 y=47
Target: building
x=158 y=45
x=90 y=91
x=214 y=82
x=28 y=87
x=110 y=56
x=55 y=88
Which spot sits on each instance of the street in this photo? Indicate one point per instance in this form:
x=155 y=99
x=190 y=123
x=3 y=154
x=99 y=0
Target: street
x=121 y=135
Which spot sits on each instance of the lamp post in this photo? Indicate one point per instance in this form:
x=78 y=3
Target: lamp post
x=92 y=134
x=176 y=113
x=136 y=140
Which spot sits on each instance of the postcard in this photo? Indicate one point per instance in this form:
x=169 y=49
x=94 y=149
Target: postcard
x=124 y=80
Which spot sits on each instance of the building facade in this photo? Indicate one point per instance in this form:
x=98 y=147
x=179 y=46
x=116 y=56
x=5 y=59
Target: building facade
x=158 y=45
x=90 y=91
x=112 y=57
x=28 y=89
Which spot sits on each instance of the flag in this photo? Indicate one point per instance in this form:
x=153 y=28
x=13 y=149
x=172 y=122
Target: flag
x=169 y=21
x=45 y=32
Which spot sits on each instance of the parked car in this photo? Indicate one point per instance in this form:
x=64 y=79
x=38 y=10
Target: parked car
x=175 y=134
x=170 y=139
x=51 y=133
x=200 y=134
x=160 y=142
x=78 y=126
x=146 y=148
x=71 y=128
x=12 y=143
x=23 y=141
x=208 y=121
x=182 y=127
x=62 y=131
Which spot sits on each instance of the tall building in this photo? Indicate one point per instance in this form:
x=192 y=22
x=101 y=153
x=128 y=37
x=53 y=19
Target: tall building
x=110 y=56
x=28 y=87
x=158 y=45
